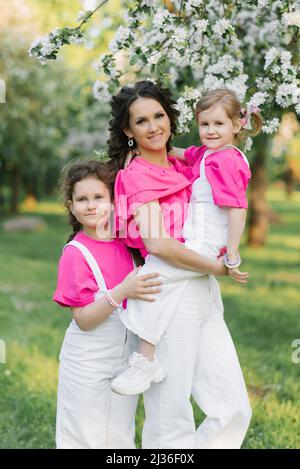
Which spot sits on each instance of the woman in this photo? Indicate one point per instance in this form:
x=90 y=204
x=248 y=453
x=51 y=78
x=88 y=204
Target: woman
x=196 y=350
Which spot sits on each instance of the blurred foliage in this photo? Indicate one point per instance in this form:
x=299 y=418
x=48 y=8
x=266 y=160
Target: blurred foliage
x=50 y=114
x=34 y=119
x=285 y=163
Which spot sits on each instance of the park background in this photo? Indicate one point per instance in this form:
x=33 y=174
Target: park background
x=51 y=117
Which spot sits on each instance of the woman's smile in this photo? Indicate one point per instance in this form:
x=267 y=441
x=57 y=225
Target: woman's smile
x=149 y=125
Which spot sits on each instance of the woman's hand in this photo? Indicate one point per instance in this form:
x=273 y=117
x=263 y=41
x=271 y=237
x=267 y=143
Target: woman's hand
x=137 y=286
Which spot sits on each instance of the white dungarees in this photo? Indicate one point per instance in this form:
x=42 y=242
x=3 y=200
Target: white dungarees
x=193 y=344
x=89 y=414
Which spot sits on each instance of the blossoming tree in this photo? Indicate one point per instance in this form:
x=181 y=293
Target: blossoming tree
x=251 y=47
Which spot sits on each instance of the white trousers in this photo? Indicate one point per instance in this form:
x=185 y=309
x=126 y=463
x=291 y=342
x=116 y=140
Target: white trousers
x=150 y=320
x=89 y=414
x=199 y=358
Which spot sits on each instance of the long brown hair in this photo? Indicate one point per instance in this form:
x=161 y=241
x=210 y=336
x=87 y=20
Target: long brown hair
x=120 y=104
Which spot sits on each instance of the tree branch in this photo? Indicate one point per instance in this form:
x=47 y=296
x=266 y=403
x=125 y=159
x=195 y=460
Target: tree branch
x=92 y=13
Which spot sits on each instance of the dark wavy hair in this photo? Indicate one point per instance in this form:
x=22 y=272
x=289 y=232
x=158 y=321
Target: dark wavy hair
x=120 y=104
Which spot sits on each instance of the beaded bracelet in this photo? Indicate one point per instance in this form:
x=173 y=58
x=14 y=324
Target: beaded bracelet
x=232 y=265
x=108 y=298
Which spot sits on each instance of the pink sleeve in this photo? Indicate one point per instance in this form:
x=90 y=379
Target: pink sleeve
x=193 y=153
x=76 y=285
x=231 y=176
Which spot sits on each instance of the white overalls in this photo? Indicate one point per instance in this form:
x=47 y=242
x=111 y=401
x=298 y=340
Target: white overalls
x=193 y=343
x=89 y=414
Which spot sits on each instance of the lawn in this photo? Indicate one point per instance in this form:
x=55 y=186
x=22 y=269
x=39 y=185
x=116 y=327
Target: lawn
x=263 y=318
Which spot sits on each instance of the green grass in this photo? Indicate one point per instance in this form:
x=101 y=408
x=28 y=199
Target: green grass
x=262 y=317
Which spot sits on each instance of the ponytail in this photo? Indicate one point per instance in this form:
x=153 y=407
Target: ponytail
x=256 y=124
x=75 y=225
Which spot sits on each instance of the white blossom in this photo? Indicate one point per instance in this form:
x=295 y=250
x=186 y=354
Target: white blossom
x=258 y=99
x=191 y=94
x=221 y=26
x=100 y=91
x=225 y=66
x=288 y=94
x=211 y=82
x=271 y=126
x=264 y=84
x=154 y=58
x=292 y=19
x=76 y=40
x=256 y=59
x=248 y=144
x=262 y=3
x=200 y=25
x=159 y=18
x=239 y=86
x=81 y=16
x=146 y=3
x=186 y=114
x=191 y=4
x=122 y=34
x=270 y=56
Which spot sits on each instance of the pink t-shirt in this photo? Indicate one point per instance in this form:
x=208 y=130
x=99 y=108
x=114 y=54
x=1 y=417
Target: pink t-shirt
x=142 y=182
x=227 y=172
x=76 y=284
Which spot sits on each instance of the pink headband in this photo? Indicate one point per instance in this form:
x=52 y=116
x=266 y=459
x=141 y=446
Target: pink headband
x=246 y=113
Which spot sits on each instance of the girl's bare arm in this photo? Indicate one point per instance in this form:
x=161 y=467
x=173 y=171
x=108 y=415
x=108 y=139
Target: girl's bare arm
x=178 y=153
x=133 y=286
x=149 y=220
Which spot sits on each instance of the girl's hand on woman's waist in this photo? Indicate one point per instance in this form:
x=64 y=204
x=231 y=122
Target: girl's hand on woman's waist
x=137 y=286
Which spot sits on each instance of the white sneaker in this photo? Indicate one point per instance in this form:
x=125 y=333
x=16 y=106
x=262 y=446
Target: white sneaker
x=138 y=376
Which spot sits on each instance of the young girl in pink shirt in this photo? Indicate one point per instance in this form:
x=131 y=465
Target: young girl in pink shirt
x=95 y=275
x=221 y=173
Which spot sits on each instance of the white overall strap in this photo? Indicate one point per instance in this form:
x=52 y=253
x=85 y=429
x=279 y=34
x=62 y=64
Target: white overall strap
x=202 y=166
x=240 y=151
x=91 y=262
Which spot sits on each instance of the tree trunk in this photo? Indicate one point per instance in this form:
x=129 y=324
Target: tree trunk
x=289 y=180
x=15 y=187
x=258 y=207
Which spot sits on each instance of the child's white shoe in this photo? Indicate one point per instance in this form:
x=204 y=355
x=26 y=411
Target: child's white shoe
x=138 y=376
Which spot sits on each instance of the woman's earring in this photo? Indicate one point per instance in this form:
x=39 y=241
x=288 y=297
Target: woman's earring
x=130 y=142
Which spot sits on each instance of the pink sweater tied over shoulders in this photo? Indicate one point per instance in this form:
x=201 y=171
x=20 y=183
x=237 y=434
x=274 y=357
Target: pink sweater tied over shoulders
x=142 y=182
